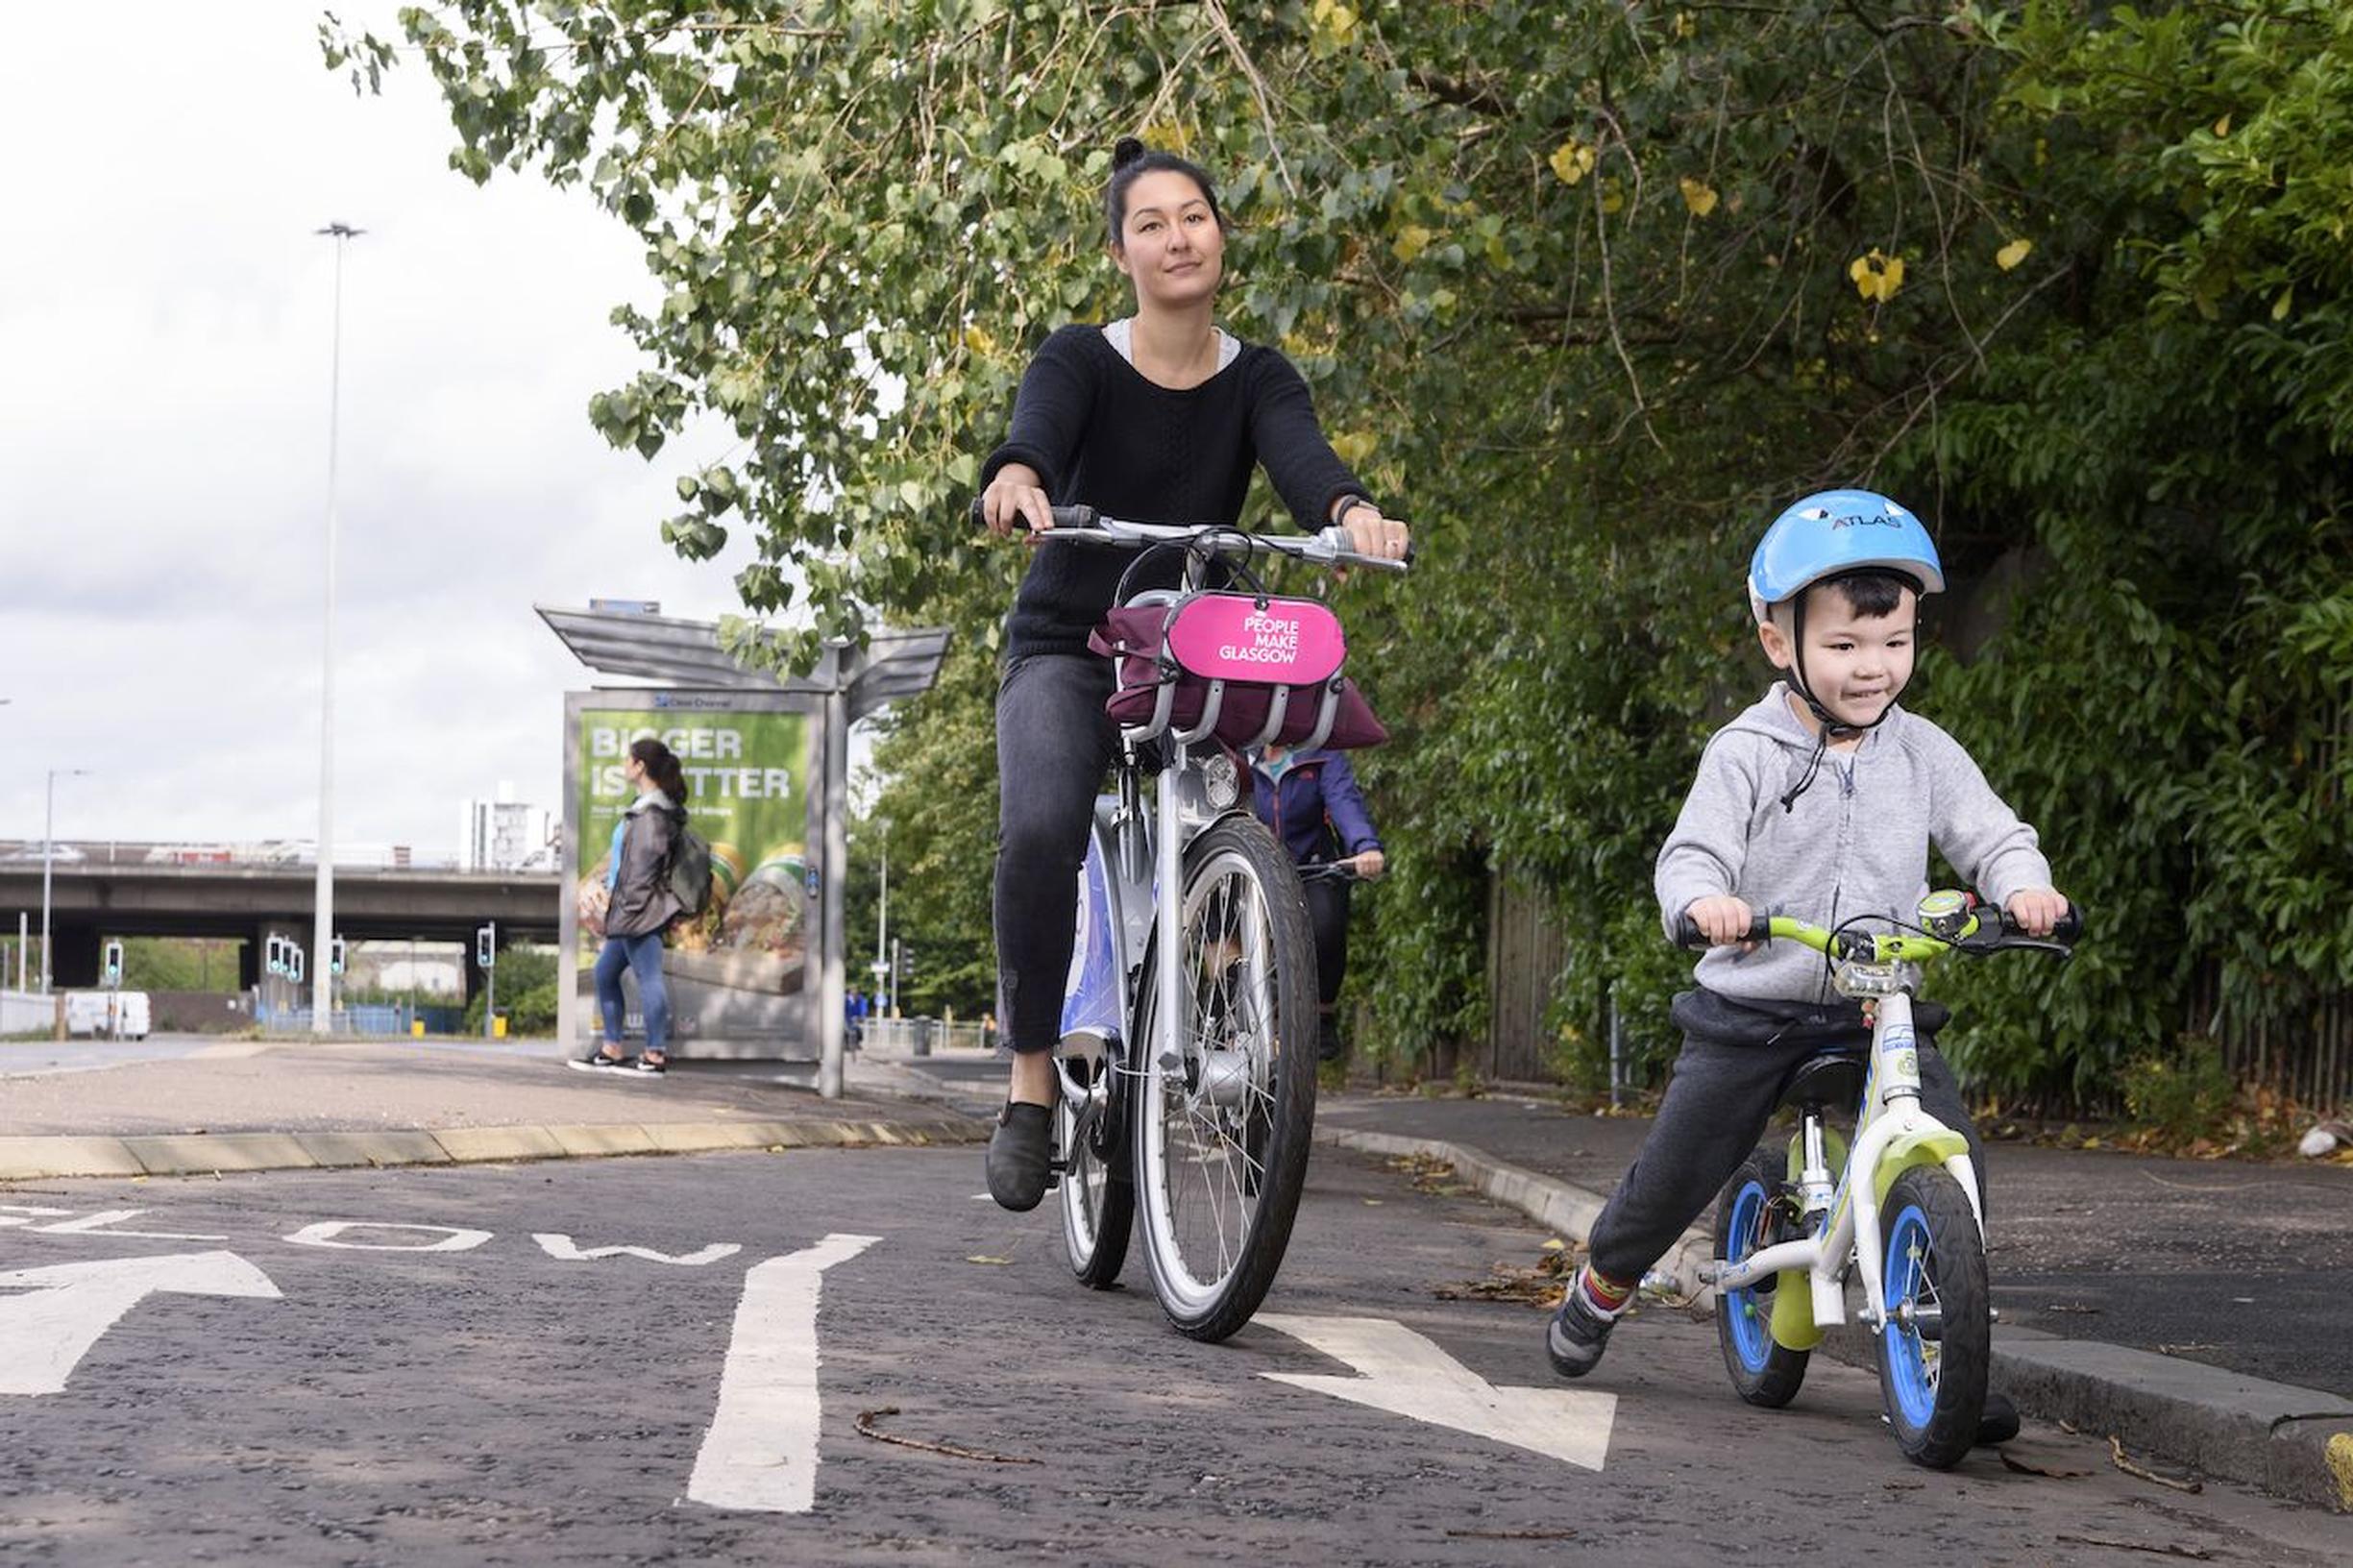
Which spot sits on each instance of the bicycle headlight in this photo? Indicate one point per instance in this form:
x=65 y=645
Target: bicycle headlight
x=1221 y=782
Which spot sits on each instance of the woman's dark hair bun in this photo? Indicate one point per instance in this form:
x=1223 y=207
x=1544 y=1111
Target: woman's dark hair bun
x=1125 y=151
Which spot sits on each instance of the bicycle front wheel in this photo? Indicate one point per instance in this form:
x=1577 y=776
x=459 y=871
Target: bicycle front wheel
x=1937 y=1341
x=1221 y=1136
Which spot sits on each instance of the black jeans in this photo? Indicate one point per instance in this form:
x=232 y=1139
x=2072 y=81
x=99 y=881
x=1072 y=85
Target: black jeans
x=1735 y=1057
x=1328 y=914
x=1054 y=743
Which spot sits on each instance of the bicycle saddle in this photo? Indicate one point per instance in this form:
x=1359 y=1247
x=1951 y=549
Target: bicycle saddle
x=1830 y=1077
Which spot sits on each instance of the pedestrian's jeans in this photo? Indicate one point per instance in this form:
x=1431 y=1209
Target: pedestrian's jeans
x=643 y=955
x=1053 y=743
x=1736 y=1055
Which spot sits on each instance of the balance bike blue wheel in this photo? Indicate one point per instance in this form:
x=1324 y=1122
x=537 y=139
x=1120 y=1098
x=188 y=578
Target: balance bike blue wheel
x=1937 y=1343
x=1748 y=1217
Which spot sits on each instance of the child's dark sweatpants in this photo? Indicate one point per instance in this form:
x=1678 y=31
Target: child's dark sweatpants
x=1736 y=1055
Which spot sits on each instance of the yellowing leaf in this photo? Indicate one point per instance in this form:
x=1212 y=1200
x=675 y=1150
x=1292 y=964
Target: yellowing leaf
x=2283 y=303
x=1876 y=276
x=1334 y=21
x=2012 y=254
x=1354 y=446
x=2221 y=126
x=1556 y=1244
x=1698 y=196
x=1411 y=241
x=1571 y=161
x=979 y=341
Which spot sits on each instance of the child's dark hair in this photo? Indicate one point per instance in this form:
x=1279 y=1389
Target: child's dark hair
x=661 y=765
x=1873 y=592
x=1130 y=159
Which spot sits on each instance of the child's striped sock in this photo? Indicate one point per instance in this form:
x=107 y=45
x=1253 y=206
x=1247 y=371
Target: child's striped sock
x=1605 y=1295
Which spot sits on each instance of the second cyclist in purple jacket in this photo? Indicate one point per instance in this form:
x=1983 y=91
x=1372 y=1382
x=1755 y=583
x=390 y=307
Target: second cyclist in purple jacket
x=1311 y=801
x=1159 y=417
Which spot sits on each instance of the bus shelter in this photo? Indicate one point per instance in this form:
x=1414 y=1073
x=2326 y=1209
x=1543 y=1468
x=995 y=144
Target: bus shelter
x=760 y=975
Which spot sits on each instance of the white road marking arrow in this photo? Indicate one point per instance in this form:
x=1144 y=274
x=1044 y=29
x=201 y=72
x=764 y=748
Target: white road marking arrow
x=71 y=1305
x=1402 y=1373
x=761 y=1451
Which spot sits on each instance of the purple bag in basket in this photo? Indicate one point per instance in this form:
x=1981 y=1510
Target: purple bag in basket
x=1252 y=652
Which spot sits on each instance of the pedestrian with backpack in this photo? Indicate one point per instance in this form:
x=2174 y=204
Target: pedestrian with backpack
x=641 y=903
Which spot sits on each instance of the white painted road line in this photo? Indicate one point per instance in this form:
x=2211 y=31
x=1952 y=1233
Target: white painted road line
x=1402 y=1373
x=761 y=1451
x=561 y=1248
x=47 y=1334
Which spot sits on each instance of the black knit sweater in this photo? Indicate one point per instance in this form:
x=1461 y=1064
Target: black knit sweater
x=1099 y=434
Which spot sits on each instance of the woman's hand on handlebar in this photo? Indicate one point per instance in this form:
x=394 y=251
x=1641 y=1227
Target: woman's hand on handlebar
x=2036 y=910
x=1370 y=863
x=1016 y=499
x=1723 y=920
x=1370 y=533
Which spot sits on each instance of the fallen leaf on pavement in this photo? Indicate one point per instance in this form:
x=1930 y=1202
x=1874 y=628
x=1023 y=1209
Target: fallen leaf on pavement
x=868 y=1429
x=984 y=1258
x=2025 y=1467
x=2180 y=1483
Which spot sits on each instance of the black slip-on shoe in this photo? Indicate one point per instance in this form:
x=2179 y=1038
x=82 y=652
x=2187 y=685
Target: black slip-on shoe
x=1020 y=1156
x=597 y=1062
x=647 y=1067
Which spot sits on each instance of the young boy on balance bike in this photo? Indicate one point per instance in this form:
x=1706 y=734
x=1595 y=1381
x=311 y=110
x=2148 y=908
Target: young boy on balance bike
x=1819 y=802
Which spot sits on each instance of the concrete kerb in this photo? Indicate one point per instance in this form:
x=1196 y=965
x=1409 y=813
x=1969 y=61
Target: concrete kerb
x=205 y=1154
x=2293 y=1442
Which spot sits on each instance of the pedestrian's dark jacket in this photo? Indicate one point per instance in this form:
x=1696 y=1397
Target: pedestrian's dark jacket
x=643 y=903
x=1314 y=806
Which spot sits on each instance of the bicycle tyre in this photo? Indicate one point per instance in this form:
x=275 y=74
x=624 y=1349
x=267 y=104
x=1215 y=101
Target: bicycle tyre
x=1932 y=1370
x=1098 y=1197
x=1763 y=1373
x=1219 y=1183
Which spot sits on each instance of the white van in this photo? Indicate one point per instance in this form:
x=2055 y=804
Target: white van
x=116 y=1015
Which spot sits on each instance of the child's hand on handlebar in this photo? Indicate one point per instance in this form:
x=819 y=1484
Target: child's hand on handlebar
x=1017 y=498
x=1723 y=921
x=2036 y=910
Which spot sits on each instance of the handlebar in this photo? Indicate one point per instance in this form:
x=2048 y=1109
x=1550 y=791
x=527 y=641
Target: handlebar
x=1326 y=547
x=1987 y=929
x=1331 y=870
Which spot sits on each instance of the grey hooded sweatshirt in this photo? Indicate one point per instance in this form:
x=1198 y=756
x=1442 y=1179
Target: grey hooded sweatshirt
x=1855 y=843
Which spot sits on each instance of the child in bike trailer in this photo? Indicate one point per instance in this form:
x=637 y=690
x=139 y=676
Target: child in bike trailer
x=1819 y=802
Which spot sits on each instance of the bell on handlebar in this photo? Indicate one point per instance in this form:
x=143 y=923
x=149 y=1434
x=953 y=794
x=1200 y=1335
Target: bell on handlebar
x=1945 y=913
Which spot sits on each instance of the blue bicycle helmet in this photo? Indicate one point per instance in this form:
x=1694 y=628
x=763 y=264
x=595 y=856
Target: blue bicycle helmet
x=1832 y=533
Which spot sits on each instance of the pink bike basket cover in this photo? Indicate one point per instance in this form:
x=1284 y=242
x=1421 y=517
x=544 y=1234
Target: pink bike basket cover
x=1245 y=648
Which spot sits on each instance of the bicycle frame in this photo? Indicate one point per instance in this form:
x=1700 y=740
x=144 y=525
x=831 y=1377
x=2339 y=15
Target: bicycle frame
x=1895 y=1134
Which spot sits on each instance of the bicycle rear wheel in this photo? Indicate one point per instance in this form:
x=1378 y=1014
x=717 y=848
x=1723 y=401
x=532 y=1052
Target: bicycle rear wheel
x=1764 y=1372
x=1937 y=1343
x=1221 y=1139
x=1098 y=1195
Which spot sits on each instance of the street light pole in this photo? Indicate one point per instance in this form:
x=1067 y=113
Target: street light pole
x=323 y=932
x=49 y=841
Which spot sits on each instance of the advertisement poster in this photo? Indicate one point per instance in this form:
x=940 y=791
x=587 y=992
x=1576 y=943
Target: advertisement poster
x=739 y=975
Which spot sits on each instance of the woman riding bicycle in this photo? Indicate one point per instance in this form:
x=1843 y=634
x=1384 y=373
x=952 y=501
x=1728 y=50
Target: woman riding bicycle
x=1311 y=801
x=1158 y=417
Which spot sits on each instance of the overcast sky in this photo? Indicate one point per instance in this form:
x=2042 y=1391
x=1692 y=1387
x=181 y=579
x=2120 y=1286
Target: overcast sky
x=166 y=318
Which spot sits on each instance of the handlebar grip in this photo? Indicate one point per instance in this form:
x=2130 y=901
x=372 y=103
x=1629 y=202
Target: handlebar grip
x=1687 y=933
x=1064 y=517
x=2068 y=930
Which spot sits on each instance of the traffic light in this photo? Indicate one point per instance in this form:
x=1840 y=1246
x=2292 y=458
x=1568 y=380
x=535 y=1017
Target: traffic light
x=278 y=955
x=115 y=963
x=336 y=952
x=486 y=946
x=906 y=963
x=294 y=964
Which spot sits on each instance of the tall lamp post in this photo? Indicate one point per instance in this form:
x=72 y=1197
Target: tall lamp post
x=49 y=844
x=323 y=931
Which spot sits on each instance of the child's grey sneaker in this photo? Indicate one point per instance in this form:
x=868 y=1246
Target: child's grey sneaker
x=1578 y=1333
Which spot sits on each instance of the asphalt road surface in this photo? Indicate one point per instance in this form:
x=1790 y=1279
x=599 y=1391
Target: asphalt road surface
x=450 y=1366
